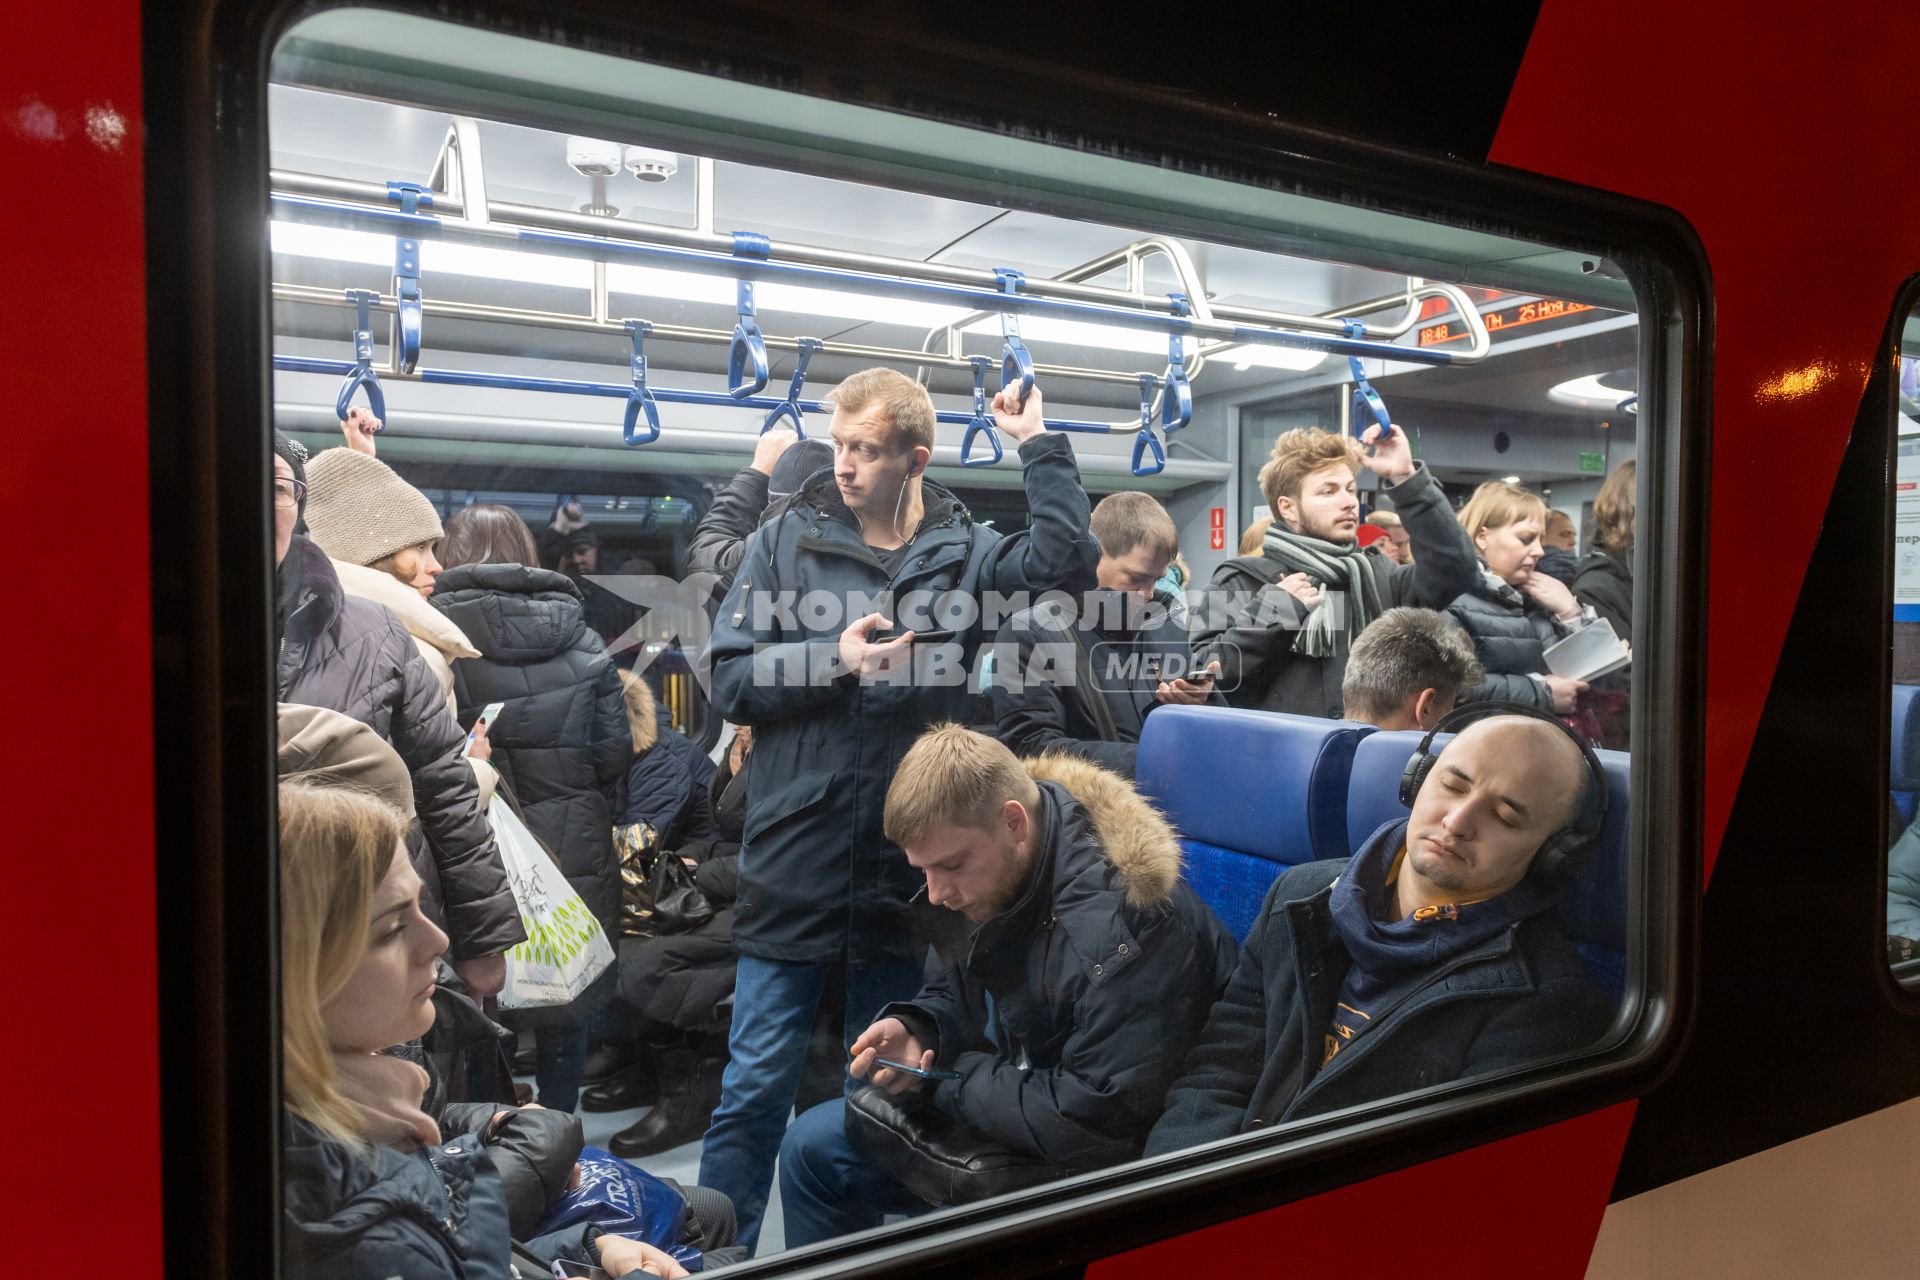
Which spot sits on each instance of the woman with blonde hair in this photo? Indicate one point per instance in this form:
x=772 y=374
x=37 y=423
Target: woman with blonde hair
x=370 y=1186
x=1513 y=613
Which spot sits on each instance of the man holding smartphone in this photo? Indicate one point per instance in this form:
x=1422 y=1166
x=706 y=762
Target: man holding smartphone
x=1043 y=1031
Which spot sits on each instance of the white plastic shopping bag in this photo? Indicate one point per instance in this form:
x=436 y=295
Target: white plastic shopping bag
x=565 y=948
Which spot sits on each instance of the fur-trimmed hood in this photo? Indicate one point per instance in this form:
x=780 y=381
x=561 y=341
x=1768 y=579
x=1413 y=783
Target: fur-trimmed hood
x=643 y=715
x=1137 y=840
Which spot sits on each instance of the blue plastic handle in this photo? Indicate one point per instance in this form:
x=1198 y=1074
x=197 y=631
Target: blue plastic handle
x=747 y=357
x=1176 y=406
x=1016 y=362
x=790 y=408
x=1148 y=438
x=1367 y=403
x=363 y=375
x=982 y=421
x=406 y=275
x=640 y=400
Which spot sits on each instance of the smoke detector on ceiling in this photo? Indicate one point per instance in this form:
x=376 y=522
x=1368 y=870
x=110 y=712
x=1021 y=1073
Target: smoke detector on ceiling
x=651 y=165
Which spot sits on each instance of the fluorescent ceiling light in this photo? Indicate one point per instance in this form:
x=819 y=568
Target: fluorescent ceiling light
x=1588 y=392
x=1253 y=356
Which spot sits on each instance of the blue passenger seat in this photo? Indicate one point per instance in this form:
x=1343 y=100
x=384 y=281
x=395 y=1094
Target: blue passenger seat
x=1594 y=911
x=1904 y=775
x=1250 y=793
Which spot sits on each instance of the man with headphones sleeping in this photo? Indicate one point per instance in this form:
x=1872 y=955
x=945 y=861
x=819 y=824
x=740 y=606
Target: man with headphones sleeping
x=839 y=643
x=1431 y=955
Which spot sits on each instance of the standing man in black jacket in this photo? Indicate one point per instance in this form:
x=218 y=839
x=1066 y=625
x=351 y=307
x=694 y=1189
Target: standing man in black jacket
x=1085 y=683
x=781 y=464
x=1280 y=623
x=805 y=650
x=1429 y=956
x=1088 y=957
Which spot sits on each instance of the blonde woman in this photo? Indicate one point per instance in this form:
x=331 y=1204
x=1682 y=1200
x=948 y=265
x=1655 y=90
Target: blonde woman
x=1513 y=612
x=370 y=1185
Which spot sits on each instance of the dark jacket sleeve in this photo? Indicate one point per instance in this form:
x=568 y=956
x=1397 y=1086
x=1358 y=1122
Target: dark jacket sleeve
x=658 y=789
x=1444 y=562
x=1247 y=625
x=760 y=674
x=1565 y=1015
x=1031 y=715
x=1057 y=543
x=720 y=539
x=533 y=1149
x=612 y=734
x=1210 y=1099
x=482 y=917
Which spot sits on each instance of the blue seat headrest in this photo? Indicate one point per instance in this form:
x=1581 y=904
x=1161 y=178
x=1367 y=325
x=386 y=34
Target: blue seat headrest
x=1256 y=782
x=1373 y=794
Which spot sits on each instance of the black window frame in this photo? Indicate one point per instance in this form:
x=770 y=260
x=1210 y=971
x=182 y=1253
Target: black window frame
x=1881 y=403
x=206 y=76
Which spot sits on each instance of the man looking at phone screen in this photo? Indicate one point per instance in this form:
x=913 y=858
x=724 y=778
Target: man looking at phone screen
x=1083 y=680
x=1087 y=957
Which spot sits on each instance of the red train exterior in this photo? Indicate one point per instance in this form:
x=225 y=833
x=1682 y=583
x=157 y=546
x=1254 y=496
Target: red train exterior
x=1772 y=132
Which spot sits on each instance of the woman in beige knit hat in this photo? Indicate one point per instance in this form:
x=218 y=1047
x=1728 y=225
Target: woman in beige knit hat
x=381 y=534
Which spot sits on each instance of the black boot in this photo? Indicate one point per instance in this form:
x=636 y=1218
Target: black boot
x=636 y=1086
x=689 y=1091
x=609 y=1059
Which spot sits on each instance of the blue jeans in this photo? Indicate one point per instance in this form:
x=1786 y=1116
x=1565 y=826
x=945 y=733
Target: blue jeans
x=828 y=1189
x=774 y=1002
x=560 y=1062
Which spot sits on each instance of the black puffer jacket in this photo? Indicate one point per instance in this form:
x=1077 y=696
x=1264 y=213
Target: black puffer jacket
x=434 y=1214
x=720 y=540
x=818 y=877
x=561 y=744
x=1086 y=690
x=667 y=777
x=1606 y=583
x=1059 y=1012
x=354 y=657
x=1510 y=632
x=1519 y=997
x=1248 y=624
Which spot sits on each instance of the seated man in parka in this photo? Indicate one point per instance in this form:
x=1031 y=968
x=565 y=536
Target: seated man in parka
x=1430 y=956
x=1087 y=958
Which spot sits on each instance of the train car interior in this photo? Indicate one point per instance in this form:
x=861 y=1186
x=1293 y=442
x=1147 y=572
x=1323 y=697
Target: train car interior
x=563 y=278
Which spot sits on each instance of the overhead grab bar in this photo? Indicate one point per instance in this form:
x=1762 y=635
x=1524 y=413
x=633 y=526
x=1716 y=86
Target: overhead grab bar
x=747 y=356
x=359 y=371
x=790 y=408
x=1148 y=438
x=640 y=399
x=982 y=421
x=406 y=278
x=748 y=267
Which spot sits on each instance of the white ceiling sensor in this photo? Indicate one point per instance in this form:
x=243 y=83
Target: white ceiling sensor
x=592 y=158
x=650 y=164
x=1588 y=392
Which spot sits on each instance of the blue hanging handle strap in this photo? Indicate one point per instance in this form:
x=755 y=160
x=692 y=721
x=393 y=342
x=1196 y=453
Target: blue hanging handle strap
x=982 y=423
x=640 y=400
x=1176 y=404
x=1016 y=362
x=1368 y=408
x=363 y=374
x=747 y=357
x=790 y=410
x=406 y=274
x=1148 y=438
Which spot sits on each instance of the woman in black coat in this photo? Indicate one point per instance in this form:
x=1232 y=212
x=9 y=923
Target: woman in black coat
x=561 y=743
x=1513 y=613
x=1605 y=583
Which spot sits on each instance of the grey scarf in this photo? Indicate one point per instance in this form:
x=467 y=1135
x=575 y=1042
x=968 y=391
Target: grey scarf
x=1329 y=567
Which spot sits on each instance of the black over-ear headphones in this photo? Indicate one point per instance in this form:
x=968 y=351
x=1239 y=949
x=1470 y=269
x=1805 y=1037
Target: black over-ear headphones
x=1558 y=858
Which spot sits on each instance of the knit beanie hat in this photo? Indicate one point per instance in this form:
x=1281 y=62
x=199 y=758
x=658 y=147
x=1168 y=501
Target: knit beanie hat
x=294 y=454
x=796 y=464
x=360 y=511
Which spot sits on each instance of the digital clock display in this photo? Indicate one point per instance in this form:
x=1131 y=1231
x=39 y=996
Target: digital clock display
x=1513 y=317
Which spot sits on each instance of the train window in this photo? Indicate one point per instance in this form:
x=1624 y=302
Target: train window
x=616 y=405
x=1903 y=857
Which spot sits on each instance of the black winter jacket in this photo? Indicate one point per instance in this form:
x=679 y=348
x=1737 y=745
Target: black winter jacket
x=1060 y=1011
x=818 y=878
x=1606 y=583
x=1087 y=690
x=561 y=744
x=434 y=1214
x=355 y=657
x=720 y=540
x=1518 y=998
x=1510 y=633
x=667 y=787
x=1234 y=619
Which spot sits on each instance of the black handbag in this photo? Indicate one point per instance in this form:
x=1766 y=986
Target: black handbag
x=935 y=1156
x=678 y=904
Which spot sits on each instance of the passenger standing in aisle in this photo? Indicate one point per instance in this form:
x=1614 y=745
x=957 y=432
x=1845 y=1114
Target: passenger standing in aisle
x=1605 y=584
x=355 y=657
x=1280 y=623
x=832 y=716
x=781 y=464
x=1514 y=612
x=561 y=743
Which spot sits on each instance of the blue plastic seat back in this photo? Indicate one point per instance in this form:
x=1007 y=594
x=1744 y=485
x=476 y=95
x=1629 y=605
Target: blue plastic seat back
x=1250 y=793
x=1594 y=911
x=1903 y=775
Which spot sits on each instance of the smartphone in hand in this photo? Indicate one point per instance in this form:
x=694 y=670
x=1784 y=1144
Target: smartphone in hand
x=918 y=1073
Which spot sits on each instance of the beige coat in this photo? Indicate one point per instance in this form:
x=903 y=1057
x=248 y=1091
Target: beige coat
x=439 y=641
